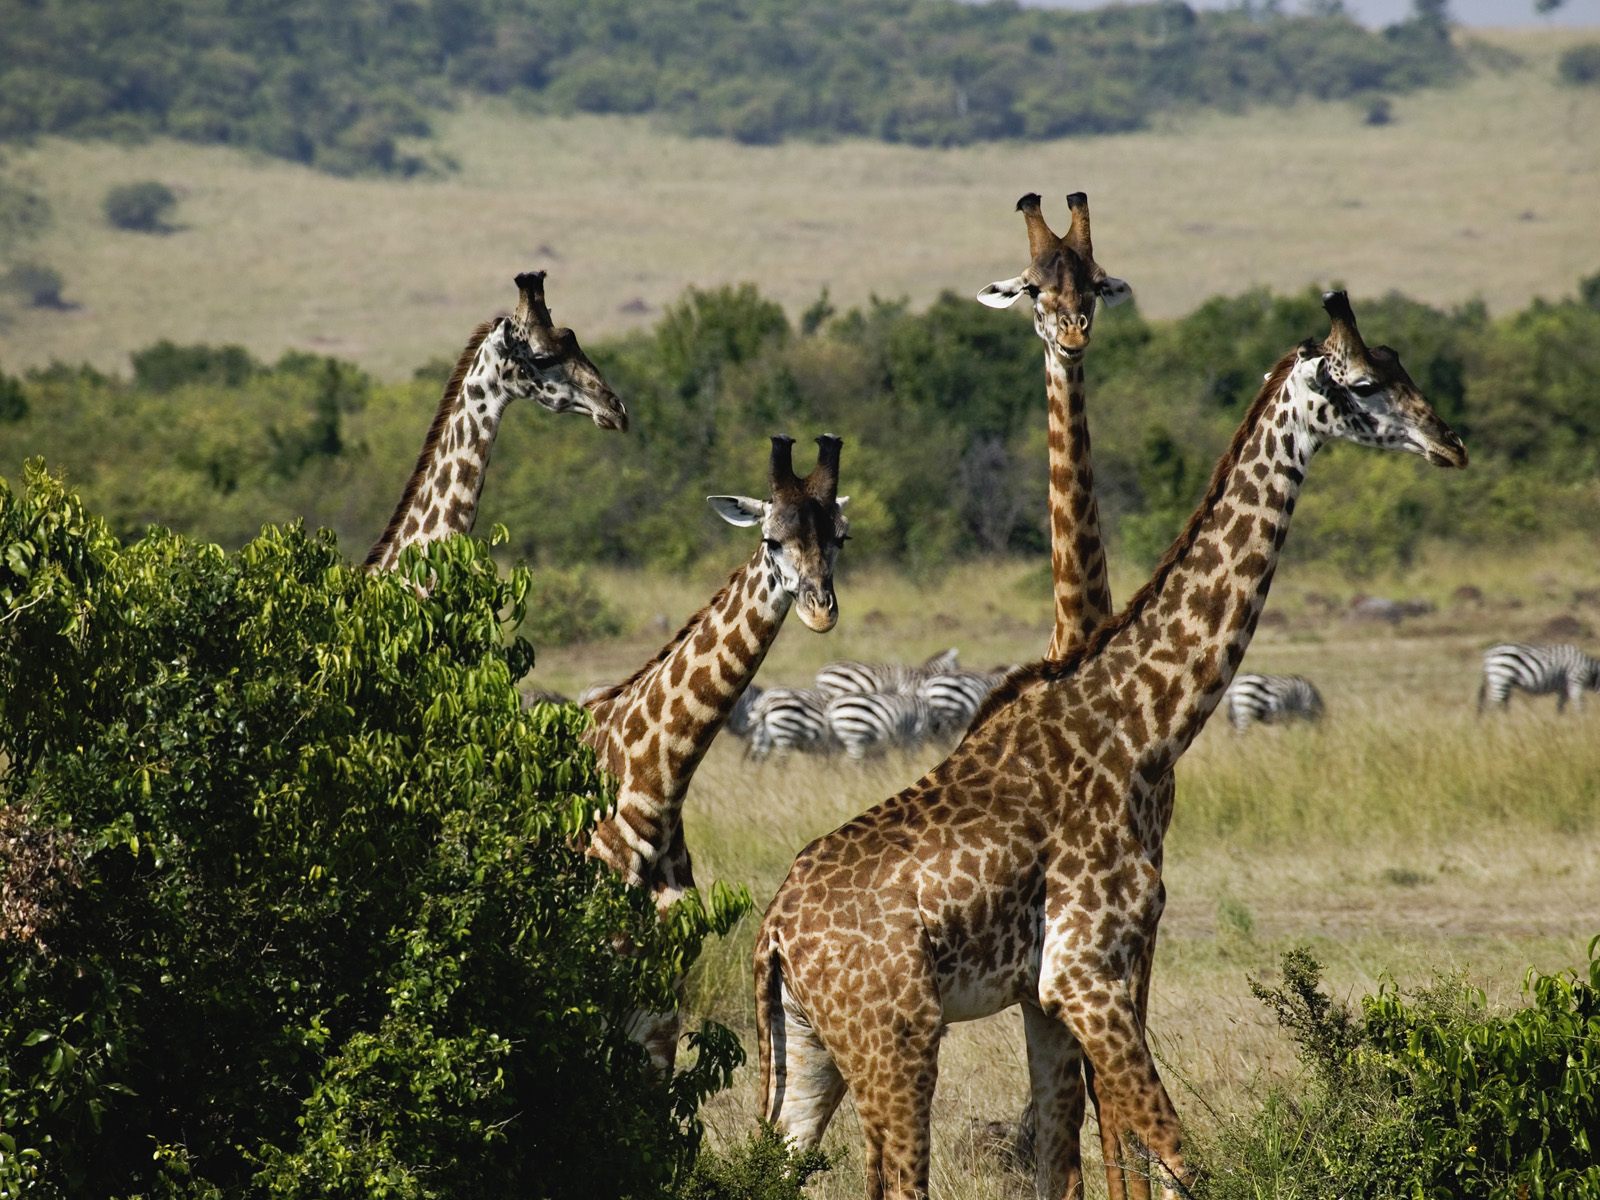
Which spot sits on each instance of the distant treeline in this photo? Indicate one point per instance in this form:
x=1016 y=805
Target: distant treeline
x=343 y=86
x=942 y=412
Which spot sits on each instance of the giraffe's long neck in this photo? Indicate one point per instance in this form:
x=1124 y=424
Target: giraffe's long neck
x=652 y=731
x=1171 y=656
x=441 y=497
x=1077 y=552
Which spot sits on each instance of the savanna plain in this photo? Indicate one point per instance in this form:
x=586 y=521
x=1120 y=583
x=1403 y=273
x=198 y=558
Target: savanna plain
x=1403 y=838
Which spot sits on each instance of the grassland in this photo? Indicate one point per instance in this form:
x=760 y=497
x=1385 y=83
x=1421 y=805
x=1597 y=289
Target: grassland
x=1482 y=191
x=1403 y=838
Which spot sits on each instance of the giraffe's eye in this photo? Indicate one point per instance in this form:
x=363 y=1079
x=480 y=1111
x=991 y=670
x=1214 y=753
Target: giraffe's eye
x=1365 y=387
x=772 y=543
x=544 y=362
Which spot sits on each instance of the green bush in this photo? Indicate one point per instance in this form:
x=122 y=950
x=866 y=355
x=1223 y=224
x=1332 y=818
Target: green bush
x=140 y=207
x=37 y=284
x=1580 y=65
x=292 y=895
x=565 y=607
x=762 y=1167
x=1431 y=1095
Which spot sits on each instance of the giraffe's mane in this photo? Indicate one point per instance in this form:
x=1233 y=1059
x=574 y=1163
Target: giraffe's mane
x=611 y=692
x=447 y=406
x=1047 y=669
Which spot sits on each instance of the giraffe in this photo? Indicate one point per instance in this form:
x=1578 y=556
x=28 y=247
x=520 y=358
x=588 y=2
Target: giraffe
x=651 y=730
x=1063 y=281
x=505 y=359
x=1024 y=869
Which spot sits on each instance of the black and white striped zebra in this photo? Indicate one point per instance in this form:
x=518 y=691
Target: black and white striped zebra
x=956 y=696
x=874 y=721
x=847 y=677
x=788 y=719
x=1272 y=700
x=739 y=718
x=1538 y=670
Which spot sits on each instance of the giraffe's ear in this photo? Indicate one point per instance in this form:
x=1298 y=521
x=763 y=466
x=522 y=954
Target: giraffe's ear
x=1003 y=293
x=1113 y=291
x=738 y=510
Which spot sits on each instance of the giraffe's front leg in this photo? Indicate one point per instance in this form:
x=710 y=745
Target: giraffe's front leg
x=1123 y=1183
x=1055 y=1063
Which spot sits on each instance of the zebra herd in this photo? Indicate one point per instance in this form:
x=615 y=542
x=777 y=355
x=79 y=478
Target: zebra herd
x=864 y=708
x=861 y=709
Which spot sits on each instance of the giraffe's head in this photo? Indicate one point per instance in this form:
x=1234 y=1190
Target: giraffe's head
x=802 y=528
x=1366 y=395
x=546 y=364
x=1063 y=280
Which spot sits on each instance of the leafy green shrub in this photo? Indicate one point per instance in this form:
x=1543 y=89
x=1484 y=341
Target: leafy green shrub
x=292 y=901
x=140 y=207
x=565 y=607
x=36 y=283
x=1580 y=65
x=1428 y=1095
x=762 y=1167
x=13 y=400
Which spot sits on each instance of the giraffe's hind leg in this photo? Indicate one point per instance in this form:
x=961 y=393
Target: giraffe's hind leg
x=805 y=1083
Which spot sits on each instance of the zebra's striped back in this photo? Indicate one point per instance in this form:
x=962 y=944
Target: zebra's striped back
x=955 y=697
x=1538 y=670
x=788 y=719
x=878 y=720
x=847 y=677
x=739 y=719
x=1271 y=699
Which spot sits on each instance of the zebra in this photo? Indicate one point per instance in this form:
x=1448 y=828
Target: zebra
x=788 y=719
x=1271 y=699
x=739 y=718
x=955 y=697
x=1538 y=670
x=866 y=722
x=847 y=677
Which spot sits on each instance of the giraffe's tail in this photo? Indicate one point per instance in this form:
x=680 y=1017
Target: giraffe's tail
x=769 y=1019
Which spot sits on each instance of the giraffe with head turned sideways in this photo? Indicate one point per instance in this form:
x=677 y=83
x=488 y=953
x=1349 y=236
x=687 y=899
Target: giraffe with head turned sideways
x=506 y=359
x=1063 y=281
x=651 y=730
x=1025 y=868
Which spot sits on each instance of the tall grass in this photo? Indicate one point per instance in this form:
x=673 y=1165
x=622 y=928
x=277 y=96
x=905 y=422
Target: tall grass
x=1404 y=837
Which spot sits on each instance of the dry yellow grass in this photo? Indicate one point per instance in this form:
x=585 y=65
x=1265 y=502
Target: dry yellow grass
x=1487 y=190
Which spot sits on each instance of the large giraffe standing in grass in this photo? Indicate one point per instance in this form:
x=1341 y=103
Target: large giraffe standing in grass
x=1064 y=281
x=651 y=730
x=506 y=359
x=1024 y=869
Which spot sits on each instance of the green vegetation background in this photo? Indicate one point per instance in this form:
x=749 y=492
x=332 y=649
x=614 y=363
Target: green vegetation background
x=941 y=411
x=351 y=88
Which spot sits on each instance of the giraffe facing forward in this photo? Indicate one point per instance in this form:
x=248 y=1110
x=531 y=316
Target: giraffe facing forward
x=1063 y=281
x=1024 y=869
x=506 y=359
x=651 y=730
